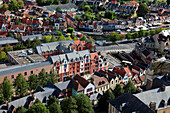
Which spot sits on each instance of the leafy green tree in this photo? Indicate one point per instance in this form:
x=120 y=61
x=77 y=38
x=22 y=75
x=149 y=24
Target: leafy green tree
x=17 y=22
x=58 y=8
x=21 y=85
x=83 y=38
x=70 y=30
x=20 y=4
x=143 y=9
x=52 y=100
x=43 y=78
x=55 y=108
x=168 y=2
x=84 y=104
x=110 y=15
x=37 y=41
x=114 y=37
x=20 y=109
x=52 y=77
x=56 y=1
x=8 y=48
x=28 y=43
x=33 y=82
x=147 y=33
x=102 y=103
x=38 y=108
x=3 y=56
x=135 y=35
x=78 y=18
x=31 y=18
x=152 y=32
x=129 y=87
x=68 y=105
x=118 y=90
x=19 y=46
x=65 y=1
x=7 y=89
x=13 y=5
x=41 y=2
x=4 y=6
x=128 y=36
x=61 y=38
x=82 y=6
x=10 y=35
x=34 y=45
x=86 y=8
x=155 y=1
x=53 y=39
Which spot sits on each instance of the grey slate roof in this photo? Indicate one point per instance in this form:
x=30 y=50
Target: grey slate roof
x=132 y=104
x=32 y=37
x=83 y=53
x=72 y=57
x=64 y=85
x=9 y=40
x=154 y=95
x=19 y=68
x=62 y=6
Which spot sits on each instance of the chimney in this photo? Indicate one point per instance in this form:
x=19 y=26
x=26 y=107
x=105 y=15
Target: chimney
x=153 y=106
x=163 y=87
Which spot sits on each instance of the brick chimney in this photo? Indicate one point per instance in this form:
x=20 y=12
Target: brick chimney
x=21 y=35
x=153 y=106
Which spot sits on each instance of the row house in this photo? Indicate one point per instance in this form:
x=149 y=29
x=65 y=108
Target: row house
x=70 y=21
x=70 y=64
x=18 y=28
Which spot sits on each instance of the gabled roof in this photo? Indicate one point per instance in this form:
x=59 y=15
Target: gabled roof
x=20 y=27
x=119 y=72
x=99 y=81
x=128 y=71
x=79 y=83
x=93 y=55
x=128 y=103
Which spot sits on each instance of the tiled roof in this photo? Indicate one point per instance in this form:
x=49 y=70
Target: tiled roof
x=99 y=81
x=20 y=27
x=127 y=71
x=118 y=71
x=62 y=6
x=93 y=55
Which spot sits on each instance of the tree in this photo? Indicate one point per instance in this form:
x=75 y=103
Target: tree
x=17 y=22
x=83 y=38
x=143 y=9
x=82 y=6
x=86 y=8
x=21 y=85
x=61 y=38
x=78 y=18
x=52 y=77
x=155 y=1
x=152 y=32
x=70 y=30
x=102 y=103
x=28 y=43
x=37 y=41
x=19 y=46
x=135 y=35
x=90 y=39
x=38 y=108
x=110 y=15
x=8 y=48
x=10 y=35
x=13 y=5
x=4 y=6
x=7 y=89
x=118 y=90
x=55 y=108
x=20 y=109
x=43 y=78
x=168 y=2
x=58 y=8
x=3 y=56
x=68 y=105
x=84 y=104
x=65 y=1
x=129 y=87
x=33 y=82
x=52 y=100
x=114 y=37
x=53 y=39
x=20 y=4
x=128 y=36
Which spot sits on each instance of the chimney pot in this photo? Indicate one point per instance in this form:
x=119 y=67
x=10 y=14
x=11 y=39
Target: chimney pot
x=153 y=106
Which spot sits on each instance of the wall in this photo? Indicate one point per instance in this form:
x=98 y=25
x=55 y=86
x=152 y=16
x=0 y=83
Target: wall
x=35 y=71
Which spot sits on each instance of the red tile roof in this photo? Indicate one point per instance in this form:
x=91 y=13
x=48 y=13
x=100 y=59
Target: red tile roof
x=99 y=81
x=127 y=71
x=118 y=71
x=3 y=33
x=134 y=2
x=20 y=27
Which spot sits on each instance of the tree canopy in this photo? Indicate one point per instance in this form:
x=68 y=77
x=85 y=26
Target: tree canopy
x=21 y=85
x=143 y=9
x=129 y=87
x=118 y=90
x=68 y=105
x=43 y=78
x=7 y=89
x=33 y=82
x=102 y=103
x=55 y=108
x=20 y=109
x=84 y=104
